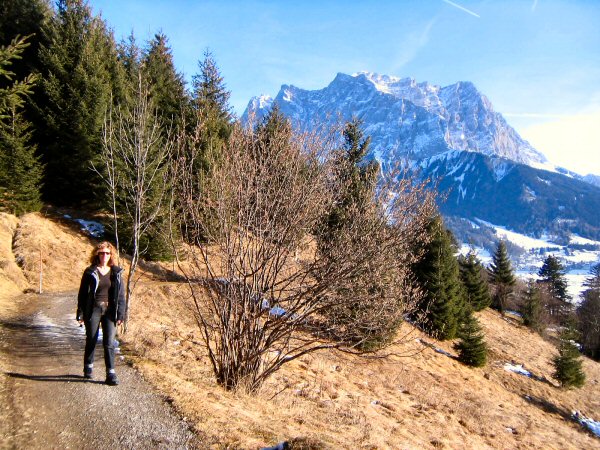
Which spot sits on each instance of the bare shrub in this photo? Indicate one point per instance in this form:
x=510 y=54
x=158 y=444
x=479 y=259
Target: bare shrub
x=259 y=287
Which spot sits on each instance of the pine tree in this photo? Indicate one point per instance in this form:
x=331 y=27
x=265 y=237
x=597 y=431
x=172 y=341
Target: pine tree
x=213 y=119
x=355 y=179
x=209 y=127
x=502 y=276
x=588 y=314
x=471 y=348
x=23 y=18
x=438 y=274
x=553 y=273
x=211 y=98
x=79 y=71
x=593 y=281
x=20 y=168
x=532 y=309
x=568 y=363
x=474 y=279
x=167 y=87
x=13 y=93
x=167 y=94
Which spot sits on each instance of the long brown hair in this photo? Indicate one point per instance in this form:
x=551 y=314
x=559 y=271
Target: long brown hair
x=105 y=245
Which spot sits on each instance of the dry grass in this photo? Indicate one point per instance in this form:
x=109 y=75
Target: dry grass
x=329 y=399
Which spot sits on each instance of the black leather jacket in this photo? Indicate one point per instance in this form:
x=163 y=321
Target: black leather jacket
x=87 y=292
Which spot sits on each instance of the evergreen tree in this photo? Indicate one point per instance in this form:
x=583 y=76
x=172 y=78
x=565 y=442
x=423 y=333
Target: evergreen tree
x=355 y=178
x=167 y=87
x=20 y=169
x=502 y=276
x=471 y=348
x=568 y=363
x=80 y=74
x=213 y=119
x=588 y=314
x=13 y=93
x=532 y=309
x=211 y=97
x=23 y=18
x=210 y=125
x=168 y=96
x=438 y=274
x=474 y=279
x=553 y=273
x=593 y=281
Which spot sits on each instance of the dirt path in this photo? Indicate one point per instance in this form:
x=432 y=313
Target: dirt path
x=46 y=403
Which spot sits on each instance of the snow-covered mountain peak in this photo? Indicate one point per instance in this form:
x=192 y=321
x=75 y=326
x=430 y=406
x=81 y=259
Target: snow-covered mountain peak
x=406 y=118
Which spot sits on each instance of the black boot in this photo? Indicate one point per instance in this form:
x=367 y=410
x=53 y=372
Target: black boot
x=111 y=379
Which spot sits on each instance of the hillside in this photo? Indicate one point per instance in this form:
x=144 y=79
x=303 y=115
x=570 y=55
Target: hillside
x=417 y=398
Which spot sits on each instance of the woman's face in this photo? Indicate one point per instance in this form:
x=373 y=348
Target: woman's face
x=103 y=255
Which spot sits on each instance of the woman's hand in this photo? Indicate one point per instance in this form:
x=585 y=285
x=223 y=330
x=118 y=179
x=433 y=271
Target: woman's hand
x=119 y=322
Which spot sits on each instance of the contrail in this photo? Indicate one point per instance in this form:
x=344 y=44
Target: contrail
x=535 y=2
x=462 y=8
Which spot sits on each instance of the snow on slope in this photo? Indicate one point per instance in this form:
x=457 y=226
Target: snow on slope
x=577 y=257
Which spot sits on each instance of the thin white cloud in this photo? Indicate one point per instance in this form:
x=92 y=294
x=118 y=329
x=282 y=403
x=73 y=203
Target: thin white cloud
x=412 y=44
x=462 y=8
x=535 y=2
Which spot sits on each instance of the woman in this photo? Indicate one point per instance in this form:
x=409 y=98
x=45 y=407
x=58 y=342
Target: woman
x=101 y=300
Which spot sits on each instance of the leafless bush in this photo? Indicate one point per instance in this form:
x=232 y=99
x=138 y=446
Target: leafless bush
x=260 y=289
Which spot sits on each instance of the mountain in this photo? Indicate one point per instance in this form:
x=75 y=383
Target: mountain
x=592 y=179
x=406 y=119
x=453 y=136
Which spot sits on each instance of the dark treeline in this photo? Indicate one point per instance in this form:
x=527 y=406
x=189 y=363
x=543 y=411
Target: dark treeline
x=80 y=74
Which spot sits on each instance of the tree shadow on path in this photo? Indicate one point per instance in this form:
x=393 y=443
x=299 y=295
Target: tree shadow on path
x=66 y=378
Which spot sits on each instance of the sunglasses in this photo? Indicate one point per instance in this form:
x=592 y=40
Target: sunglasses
x=103 y=253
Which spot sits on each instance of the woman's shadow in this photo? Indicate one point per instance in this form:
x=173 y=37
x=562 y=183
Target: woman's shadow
x=68 y=378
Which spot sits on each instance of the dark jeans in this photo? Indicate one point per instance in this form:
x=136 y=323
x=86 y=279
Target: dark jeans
x=108 y=338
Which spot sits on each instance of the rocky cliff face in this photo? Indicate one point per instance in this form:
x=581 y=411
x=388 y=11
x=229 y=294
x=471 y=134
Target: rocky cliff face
x=406 y=119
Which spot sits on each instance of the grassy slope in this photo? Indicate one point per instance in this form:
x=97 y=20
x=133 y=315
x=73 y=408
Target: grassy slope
x=426 y=400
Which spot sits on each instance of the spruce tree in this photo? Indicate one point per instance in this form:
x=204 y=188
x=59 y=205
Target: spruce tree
x=502 y=276
x=593 y=281
x=23 y=18
x=438 y=274
x=213 y=118
x=532 y=309
x=210 y=97
x=471 y=347
x=167 y=86
x=567 y=364
x=355 y=178
x=20 y=168
x=170 y=100
x=79 y=70
x=210 y=125
x=588 y=314
x=552 y=272
x=474 y=279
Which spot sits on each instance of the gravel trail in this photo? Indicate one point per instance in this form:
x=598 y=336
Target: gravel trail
x=46 y=403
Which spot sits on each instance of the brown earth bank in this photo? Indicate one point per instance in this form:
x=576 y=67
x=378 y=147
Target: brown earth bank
x=417 y=398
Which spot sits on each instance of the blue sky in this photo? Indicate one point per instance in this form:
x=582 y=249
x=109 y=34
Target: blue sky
x=538 y=61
